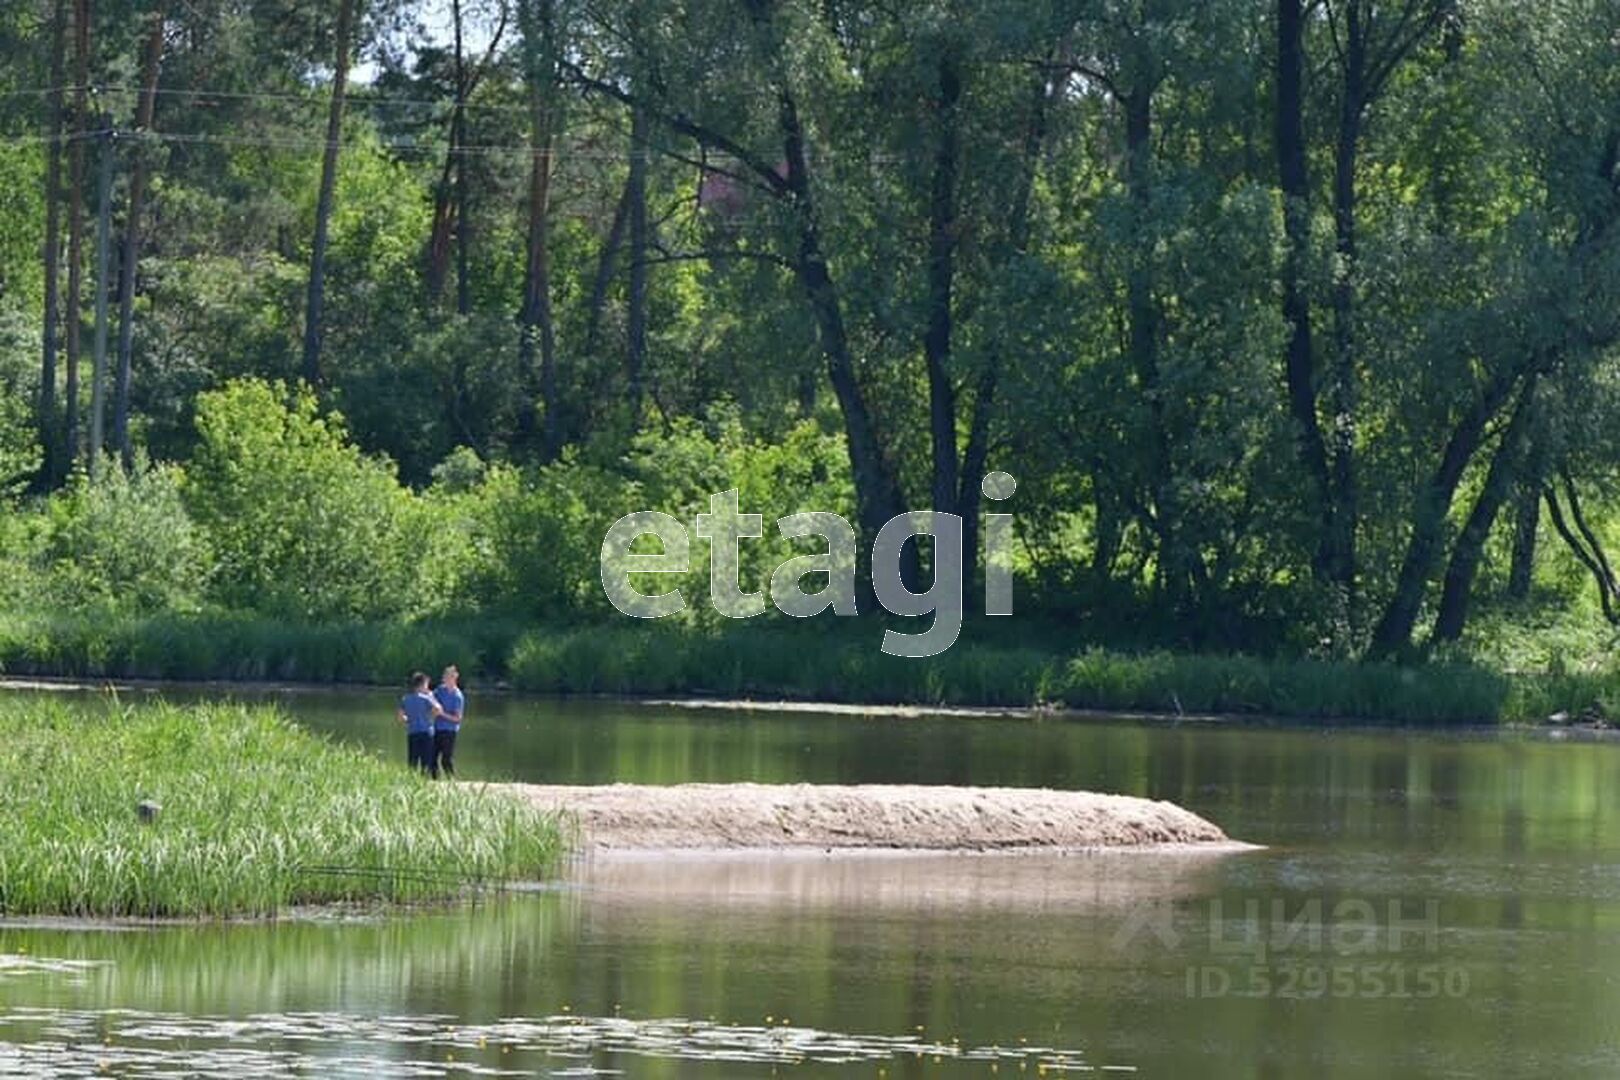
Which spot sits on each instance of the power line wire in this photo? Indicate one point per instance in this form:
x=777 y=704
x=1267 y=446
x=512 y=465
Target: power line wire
x=317 y=99
x=523 y=150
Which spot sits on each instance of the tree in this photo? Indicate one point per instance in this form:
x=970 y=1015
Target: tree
x=316 y=299
x=75 y=251
x=1300 y=363
x=1370 y=39
x=151 y=62
x=541 y=53
x=53 y=451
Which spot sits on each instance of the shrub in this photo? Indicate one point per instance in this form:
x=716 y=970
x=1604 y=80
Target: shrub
x=303 y=525
x=124 y=541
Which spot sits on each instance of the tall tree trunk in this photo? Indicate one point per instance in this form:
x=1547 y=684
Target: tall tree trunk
x=1143 y=313
x=49 y=430
x=1393 y=632
x=976 y=455
x=316 y=300
x=539 y=42
x=1585 y=547
x=1467 y=552
x=76 y=178
x=144 y=112
x=877 y=489
x=1341 y=556
x=1527 y=516
x=1526 y=524
x=449 y=205
x=458 y=147
x=437 y=263
x=1300 y=363
x=942 y=230
x=607 y=261
x=635 y=353
x=98 y=377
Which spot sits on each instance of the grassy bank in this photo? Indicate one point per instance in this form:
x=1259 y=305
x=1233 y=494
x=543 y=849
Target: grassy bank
x=612 y=660
x=244 y=648
x=838 y=662
x=257 y=816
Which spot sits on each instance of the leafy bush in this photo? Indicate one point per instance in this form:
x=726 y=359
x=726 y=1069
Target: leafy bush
x=303 y=525
x=19 y=442
x=124 y=541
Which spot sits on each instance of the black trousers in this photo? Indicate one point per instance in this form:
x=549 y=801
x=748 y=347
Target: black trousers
x=419 y=751
x=444 y=753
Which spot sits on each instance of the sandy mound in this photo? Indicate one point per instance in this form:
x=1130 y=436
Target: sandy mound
x=757 y=816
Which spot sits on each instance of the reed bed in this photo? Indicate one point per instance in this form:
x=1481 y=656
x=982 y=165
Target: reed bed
x=850 y=668
x=836 y=661
x=257 y=816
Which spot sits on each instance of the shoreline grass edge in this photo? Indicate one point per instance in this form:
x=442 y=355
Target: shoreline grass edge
x=258 y=817
x=801 y=665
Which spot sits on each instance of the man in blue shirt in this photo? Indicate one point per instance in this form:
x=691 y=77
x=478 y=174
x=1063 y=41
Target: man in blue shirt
x=452 y=704
x=417 y=711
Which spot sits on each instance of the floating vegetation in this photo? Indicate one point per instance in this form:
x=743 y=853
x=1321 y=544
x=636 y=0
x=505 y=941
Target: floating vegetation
x=12 y=964
x=144 y=1044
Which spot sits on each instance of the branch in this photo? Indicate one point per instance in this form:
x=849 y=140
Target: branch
x=686 y=126
x=1085 y=71
x=482 y=67
x=1586 y=530
x=715 y=255
x=1580 y=553
x=705 y=166
x=1383 y=67
x=1333 y=31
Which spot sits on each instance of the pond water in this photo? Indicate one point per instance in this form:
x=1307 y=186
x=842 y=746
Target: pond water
x=1427 y=906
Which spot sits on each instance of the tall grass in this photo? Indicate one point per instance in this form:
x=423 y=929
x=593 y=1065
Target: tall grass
x=245 y=648
x=829 y=661
x=799 y=664
x=257 y=816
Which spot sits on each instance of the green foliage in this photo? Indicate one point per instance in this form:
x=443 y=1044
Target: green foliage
x=845 y=665
x=1084 y=278
x=124 y=542
x=244 y=648
x=302 y=523
x=21 y=202
x=533 y=539
x=19 y=446
x=257 y=816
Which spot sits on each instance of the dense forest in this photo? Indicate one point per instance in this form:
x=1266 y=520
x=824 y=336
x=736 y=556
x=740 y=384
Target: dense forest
x=1296 y=321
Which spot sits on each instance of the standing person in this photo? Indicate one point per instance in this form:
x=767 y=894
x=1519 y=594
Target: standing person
x=417 y=711
x=452 y=704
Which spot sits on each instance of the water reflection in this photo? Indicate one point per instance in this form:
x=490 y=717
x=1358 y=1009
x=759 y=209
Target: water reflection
x=1514 y=841
x=888 y=882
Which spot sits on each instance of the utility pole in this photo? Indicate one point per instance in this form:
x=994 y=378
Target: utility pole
x=98 y=371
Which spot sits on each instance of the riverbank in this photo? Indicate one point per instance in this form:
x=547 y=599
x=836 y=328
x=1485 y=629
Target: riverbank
x=840 y=665
x=161 y=811
x=835 y=817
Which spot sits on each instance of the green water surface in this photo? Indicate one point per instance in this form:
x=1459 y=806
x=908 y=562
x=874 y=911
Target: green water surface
x=1426 y=906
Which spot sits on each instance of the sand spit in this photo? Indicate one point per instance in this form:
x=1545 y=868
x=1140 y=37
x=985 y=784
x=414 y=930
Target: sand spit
x=808 y=817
